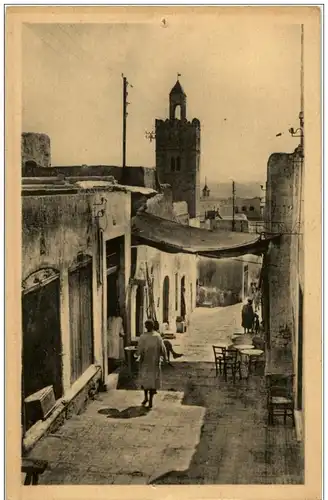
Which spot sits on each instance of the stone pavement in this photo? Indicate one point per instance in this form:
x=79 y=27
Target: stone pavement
x=208 y=326
x=116 y=441
x=202 y=430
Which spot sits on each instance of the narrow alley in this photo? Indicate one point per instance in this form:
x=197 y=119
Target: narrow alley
x=201 y=430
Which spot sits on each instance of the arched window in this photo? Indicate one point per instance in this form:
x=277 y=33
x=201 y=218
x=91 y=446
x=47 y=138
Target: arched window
x=172 y=164
x=177 y=112
x=178 y=163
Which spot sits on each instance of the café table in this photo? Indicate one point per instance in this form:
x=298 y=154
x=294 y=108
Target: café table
x=244 y=347
x=130 y=354
x=223 y=344
x=251 y=354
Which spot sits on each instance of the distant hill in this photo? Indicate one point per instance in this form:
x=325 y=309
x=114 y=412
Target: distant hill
x=243 y=190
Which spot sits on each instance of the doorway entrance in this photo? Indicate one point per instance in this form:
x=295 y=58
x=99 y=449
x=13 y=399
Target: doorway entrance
x=41 y=342
x=166 y=299
x=139 y=310
x=245 y=281
x=183 y=299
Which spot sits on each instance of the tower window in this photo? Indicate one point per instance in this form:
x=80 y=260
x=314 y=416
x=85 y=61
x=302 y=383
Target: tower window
x=177 y=112
x=172 y=164
x=178 y=164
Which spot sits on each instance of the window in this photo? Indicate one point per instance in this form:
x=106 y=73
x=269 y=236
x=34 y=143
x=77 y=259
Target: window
x=178 y=164
x=177 y=112
x=236 y=210
x=172 y=164
x=113 y=252
x=251 y=208
x=244 y=208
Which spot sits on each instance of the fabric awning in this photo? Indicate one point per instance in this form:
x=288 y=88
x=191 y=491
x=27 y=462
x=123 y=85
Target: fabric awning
x=172 y=237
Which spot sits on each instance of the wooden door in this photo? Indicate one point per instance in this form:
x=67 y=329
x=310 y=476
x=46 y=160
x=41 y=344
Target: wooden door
x=41 y=345
x=81 y=320
x=166 y=299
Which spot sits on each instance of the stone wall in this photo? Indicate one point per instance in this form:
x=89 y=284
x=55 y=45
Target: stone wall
x=180 y=139
x=56 y=229
x=240 y=225
x=284 y=262
x=175 y=267
x=64 y=410
x=36 y=162
x=35 y=150
x=279 y=211
x=251 y=207
x=223 y=274
x=161 y=204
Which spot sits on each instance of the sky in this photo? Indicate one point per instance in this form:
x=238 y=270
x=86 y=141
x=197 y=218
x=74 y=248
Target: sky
x=242 y=82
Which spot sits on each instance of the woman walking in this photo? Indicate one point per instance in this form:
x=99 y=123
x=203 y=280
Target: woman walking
x=150 y=349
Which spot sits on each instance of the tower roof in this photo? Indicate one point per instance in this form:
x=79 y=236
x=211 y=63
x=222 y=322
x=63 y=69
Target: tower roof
x=177 y=89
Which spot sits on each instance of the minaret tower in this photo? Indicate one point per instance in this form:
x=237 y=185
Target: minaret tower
x=206 y=190
x=178 y=151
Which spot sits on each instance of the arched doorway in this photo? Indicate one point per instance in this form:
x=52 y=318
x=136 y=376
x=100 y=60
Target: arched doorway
x=139 y=310
x=166 y=299
x=183 y=299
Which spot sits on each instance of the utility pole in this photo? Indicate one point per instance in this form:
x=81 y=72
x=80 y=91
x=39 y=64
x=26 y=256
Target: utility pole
x=301 y=116
x=125 y=93
x=233 y=205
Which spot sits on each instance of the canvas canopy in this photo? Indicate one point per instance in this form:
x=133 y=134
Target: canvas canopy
x=172 y=237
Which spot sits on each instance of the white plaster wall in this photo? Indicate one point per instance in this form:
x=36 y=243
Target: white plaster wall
x=69 y=227
x=161 y=264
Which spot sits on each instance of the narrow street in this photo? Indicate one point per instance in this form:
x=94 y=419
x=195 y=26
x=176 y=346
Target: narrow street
x=202 y=429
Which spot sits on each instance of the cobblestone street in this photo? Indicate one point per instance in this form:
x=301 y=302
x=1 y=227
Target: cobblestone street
x=202 y=429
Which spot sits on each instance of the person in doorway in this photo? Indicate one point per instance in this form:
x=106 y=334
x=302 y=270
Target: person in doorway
x=183 y=303
x=150 y=350
x=168 y=345
x=257 y=299
x=247 y=316
x=256 y=323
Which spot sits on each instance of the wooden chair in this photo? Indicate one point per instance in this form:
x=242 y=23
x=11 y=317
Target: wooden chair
x=33 y=469
x=258 y=343
x=218 y=358
x=231 y=361
x=280 y=403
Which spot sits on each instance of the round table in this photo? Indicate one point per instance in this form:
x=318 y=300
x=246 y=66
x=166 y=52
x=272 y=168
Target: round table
x=251 y=353
x=130 y=351
x=244 y=347
x=223 y=344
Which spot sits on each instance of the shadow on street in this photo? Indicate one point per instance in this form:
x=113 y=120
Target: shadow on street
x=236 y=445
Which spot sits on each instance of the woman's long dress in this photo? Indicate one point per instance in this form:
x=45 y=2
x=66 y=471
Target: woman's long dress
x=150 y=349
x=247 y=316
